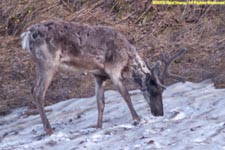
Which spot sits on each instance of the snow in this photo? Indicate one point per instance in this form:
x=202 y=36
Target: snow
x=194 y=119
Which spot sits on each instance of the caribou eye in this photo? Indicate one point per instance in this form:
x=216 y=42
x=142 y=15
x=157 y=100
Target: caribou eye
x=150 y=81
x=153 y=82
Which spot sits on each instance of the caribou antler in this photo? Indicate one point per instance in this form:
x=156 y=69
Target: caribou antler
x=168 y=60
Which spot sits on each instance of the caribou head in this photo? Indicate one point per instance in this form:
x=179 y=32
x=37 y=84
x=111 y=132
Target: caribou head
x=152 y=84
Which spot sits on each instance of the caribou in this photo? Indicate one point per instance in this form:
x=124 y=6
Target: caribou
x=57 y=45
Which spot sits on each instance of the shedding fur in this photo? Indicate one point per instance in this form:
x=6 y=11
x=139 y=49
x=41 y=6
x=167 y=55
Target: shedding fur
x=99 y=50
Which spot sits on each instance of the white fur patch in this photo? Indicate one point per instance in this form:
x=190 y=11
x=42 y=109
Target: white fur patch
x=142 y=64
x=25 y=40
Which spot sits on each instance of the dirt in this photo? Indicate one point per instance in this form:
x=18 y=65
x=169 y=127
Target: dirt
x=152 y=29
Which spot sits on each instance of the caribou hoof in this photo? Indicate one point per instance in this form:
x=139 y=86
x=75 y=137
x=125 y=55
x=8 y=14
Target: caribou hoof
x=49 y=131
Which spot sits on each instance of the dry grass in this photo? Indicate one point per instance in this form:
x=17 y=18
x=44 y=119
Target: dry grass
x=152 y=29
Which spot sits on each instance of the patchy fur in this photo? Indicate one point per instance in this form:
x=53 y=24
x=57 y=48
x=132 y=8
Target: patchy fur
x=100 y=50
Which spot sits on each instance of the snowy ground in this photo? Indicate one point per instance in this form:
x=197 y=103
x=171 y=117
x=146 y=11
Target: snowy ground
x=194 y=119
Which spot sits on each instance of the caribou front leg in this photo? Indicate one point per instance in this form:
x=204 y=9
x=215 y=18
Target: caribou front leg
x=124 y=93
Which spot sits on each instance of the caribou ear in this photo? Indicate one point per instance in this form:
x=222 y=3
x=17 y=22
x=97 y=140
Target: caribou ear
x=155 y=69
x=155 y=73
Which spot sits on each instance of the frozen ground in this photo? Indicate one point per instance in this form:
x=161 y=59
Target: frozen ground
x=194 y=119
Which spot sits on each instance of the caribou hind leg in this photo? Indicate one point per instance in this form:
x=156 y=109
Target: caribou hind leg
x=43 y=80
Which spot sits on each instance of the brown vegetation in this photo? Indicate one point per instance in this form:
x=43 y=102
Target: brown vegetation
x=151 y=28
